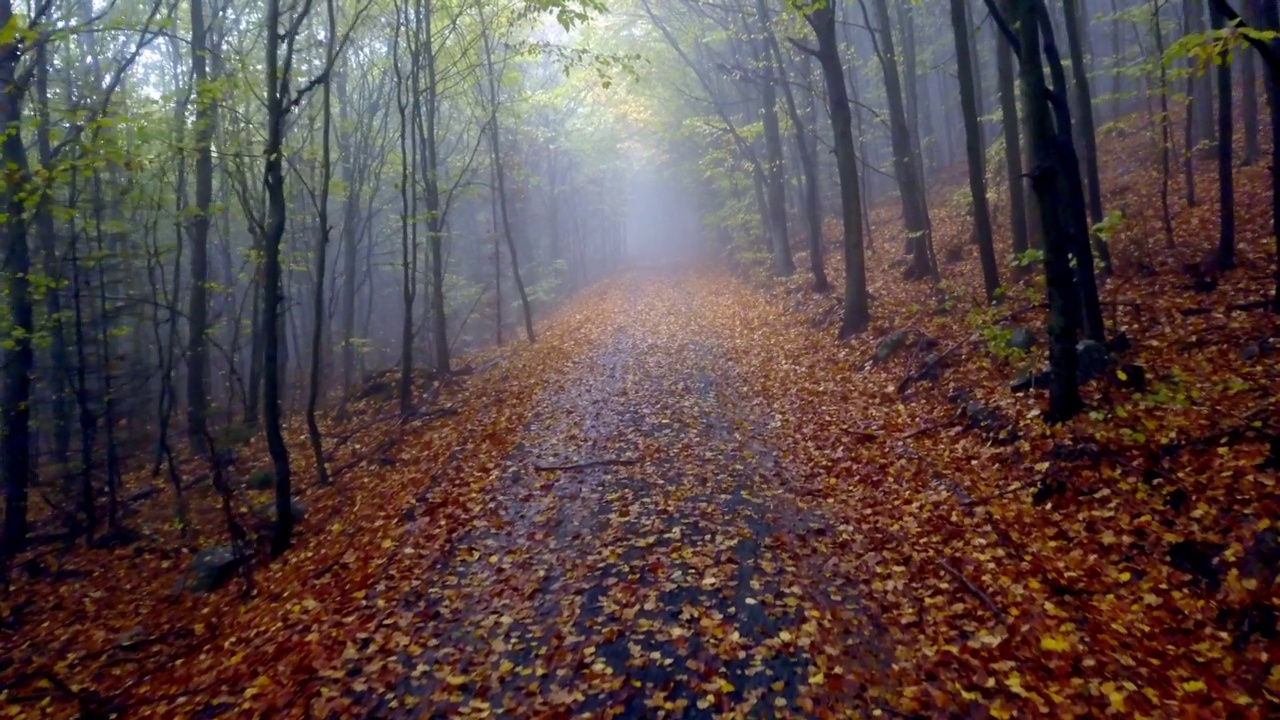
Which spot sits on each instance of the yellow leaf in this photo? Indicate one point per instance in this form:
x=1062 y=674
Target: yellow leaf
x=1054 y=644
x=456 y=680
x=1194 y=686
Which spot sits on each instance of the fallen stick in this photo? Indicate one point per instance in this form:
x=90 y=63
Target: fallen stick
x=922 y=430
x=584 y=465
x=919 y=374
x=1233 y=307
x=977 y=592
x=1007 y=491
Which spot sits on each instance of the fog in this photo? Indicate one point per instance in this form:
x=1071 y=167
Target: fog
x=663 y=219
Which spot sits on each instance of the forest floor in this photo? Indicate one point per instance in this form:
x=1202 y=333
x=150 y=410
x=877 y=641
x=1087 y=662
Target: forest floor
x=759 y=521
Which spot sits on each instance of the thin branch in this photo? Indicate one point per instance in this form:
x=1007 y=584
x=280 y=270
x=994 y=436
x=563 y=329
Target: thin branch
x=585 y=465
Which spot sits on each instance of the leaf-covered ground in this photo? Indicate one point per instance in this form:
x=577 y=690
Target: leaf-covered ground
x=688 y=500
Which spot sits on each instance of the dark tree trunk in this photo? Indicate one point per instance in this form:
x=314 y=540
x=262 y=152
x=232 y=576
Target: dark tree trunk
x=59 y=353
x=431 y=179
x=911 y=81
x=1064 y=395
x=198 y=232
x=1268 y=15
x=856 y=305
x=1117 y=62
x=914 y=213
x=1249 y=94
x=973 y=146
x=1226 y=136
x=1201 y=95
x=1072 y=190
x=1084 y=111
x=350 y=225
x=808 y=165
x=1270 y=19
x=315 y=379
x=273 y=179
x=1189 y=125
x=1012 y=143
x=1046 y=182
x=775 y=177
x=1166 y=130
x=20 y=358
x=408 y=226
x=975 y=62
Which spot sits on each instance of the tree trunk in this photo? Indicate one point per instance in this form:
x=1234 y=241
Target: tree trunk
x=273 y=179
x=975 y=62
x=1117 y=62
x=431 y=179
x=974 y=149
x=15 y=404
x=1201 y=96
x=1166 y=131
x=857 y=313
x=1084 y=110
x=59 y=353
x=1064 y=394
x=350 y=225
x=322 y=250
x=1249 y=94
x=499 y=172
x=198 y=232
x=775 y=177
x=911 y=84
x=808 y=165
x=1226 y=185
x=1189 y=125
x=408 y=225
x=1071 y=191
x=1012 y=142
x=915 y=216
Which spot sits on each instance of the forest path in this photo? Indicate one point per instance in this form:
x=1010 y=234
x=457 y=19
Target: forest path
x=674 y=581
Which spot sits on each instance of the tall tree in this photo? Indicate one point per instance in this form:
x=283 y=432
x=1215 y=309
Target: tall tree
x=198 y=232
x=1226 y=137
x=1047 y=181
x=1269 y=19
x=857 y=313
x=774 y=170
x=315 y=379
x=1201 y=86
x=915 y=215
x=1071 y=190
x=974 y=149
x=1166 y=125
x=805 y=154
x=1012 y=141
x=20 y=356
x=500 y=181
x=1084 y=111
